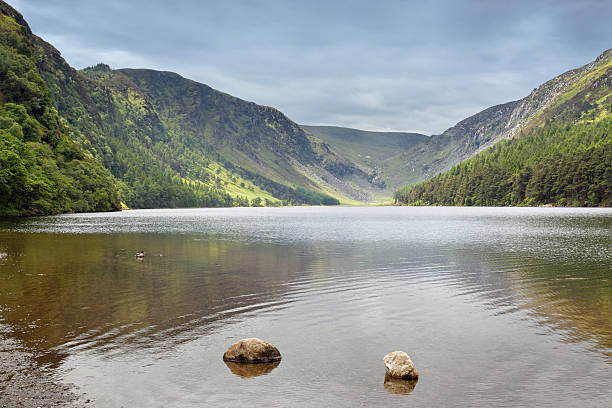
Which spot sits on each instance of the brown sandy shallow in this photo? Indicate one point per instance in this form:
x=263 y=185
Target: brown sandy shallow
x=23 y=383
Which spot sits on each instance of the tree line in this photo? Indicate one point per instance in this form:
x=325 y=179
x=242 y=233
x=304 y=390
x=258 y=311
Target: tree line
x=564 y=165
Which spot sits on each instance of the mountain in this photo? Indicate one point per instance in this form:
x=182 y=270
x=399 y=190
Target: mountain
x=369 y=151
x=76 y=141
x=557 y=148
x=149 y=138
x=482 y=130
x=206 y=138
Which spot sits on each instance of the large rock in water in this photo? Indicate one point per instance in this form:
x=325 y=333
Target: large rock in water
x=252 y=351
x=399 y=365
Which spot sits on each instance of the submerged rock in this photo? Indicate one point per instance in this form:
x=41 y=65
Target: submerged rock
x=397 y=386
x=251 y=370
x=399 y=365
x=252 y=350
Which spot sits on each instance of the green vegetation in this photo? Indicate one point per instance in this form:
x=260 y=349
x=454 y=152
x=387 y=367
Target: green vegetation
x=91 y=140
x=562 y=154
x=42 y=171
x=148 y=139
x=568 y=165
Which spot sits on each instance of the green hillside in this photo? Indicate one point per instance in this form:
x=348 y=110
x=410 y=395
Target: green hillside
x=41 y=169
x=482 y=130
x=147 y=138
x=228 y=148
x=562 y=155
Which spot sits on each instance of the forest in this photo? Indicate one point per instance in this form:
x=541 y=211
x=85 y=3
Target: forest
x=42 y=171
x=564 y=165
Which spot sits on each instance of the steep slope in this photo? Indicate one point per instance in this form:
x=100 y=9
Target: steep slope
x=369 y=151
x=166 y=141
x=474 y=134
x=41 y=169
x=561 y=155
x=209 y=137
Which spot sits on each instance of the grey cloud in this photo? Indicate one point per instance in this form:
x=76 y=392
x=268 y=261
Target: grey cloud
x=393 y=65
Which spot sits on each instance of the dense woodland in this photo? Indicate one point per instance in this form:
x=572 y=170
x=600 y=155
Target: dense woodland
x=41 y=169
x=565 y=165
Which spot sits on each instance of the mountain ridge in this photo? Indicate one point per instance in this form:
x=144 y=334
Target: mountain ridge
x=483 y=129
x=160 y=151
x=556 y=150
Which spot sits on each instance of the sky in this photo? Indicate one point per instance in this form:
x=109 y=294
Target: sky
x=375 y=65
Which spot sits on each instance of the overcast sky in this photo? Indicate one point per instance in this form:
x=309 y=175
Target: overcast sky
x=376 y=64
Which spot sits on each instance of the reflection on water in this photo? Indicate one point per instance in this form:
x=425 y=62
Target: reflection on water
x=251 y=370
x=399 y=387
x=66 y=291
x=477 y=295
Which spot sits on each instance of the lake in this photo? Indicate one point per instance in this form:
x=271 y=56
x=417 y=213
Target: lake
x=497 y=307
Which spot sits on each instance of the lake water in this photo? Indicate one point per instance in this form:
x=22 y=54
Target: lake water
x=500 y=307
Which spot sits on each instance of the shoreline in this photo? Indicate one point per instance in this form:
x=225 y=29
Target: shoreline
x=24 y=383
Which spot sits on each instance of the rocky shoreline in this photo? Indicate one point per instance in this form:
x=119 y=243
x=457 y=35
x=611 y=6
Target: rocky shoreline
x=23 y=383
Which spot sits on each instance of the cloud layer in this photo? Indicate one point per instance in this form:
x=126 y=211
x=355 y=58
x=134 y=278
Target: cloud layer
x=383 y=65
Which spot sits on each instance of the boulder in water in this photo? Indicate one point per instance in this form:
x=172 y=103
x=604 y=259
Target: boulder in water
x=252 y=351
x=399 y=365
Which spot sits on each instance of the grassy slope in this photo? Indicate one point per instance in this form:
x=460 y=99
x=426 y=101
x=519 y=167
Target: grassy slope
x=209 y=135
x=372 y=152
x=258 y=138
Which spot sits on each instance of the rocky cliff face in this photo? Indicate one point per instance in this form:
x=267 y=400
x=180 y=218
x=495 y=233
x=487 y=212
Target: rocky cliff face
x=543 y=96
x=11 y=12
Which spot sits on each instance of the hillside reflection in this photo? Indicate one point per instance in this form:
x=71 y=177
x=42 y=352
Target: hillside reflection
x=62 y=291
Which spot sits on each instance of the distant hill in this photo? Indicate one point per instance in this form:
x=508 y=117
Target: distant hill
x=558 y=148
x=368 y=150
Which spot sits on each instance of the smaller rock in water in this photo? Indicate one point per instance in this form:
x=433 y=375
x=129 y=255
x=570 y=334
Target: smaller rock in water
x=399 y=365
x=252 y=351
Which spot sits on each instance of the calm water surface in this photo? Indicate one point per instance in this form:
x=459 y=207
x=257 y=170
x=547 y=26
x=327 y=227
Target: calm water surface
x=496 y=306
